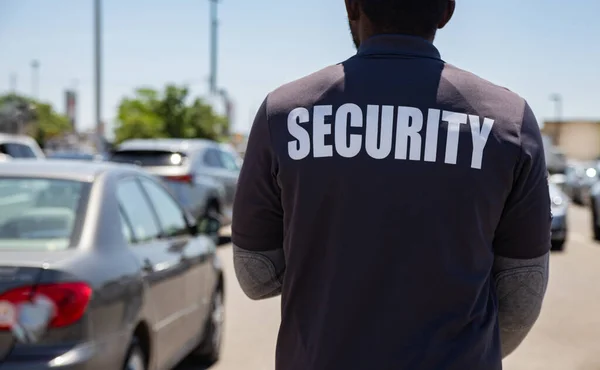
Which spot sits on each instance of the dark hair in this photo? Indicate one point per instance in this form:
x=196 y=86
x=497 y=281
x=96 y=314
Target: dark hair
x=412 y=17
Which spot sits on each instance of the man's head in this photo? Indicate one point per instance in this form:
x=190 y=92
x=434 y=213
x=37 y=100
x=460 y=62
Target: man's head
x=409 y=17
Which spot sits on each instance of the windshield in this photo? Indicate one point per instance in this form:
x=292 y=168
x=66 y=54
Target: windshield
x=38 y=213
x=149 y=158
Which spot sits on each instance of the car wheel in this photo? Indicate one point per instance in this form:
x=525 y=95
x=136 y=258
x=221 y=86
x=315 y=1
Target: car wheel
x=208 y=352
x=576 y=198
x=136 y=360
x=595 y=227
x=558 y=245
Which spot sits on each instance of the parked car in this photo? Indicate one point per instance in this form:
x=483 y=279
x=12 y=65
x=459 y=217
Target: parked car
x=555 y=159
x=595 y=210
x=101 y=268
x=560 y=205
x=202 y=173
x=20 y=146
x=579 y=179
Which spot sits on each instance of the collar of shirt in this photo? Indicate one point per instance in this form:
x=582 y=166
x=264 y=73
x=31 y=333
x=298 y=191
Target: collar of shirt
x=391 y=44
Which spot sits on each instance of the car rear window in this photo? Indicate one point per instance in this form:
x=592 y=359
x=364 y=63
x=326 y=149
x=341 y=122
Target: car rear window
x=39 y=213
x=149 y=158
x=72 y=156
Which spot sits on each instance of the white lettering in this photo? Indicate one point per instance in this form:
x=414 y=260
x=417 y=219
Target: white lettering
x=480 y=136
x=299 y=148
x=454 y=121
x=431 y=135
x=320 y=130
x=410 y=123
x=373 y=136
x=353 y=113
x=374 y=132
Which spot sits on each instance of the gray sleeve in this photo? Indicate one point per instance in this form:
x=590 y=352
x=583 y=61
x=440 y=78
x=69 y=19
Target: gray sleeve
x=260 y=274
x=521 y=286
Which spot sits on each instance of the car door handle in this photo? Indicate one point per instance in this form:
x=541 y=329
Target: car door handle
x=147 y=266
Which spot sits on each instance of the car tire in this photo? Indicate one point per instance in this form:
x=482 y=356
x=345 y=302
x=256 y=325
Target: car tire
x=595 y=228
x=209 y=350
x=136 y=359
x=576 y=198
x=558 y=245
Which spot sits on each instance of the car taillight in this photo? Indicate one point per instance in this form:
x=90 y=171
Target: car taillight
x=181 y=178
x=70 y=300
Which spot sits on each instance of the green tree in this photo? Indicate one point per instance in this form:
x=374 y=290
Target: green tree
x=150 y=114
x=19 y=114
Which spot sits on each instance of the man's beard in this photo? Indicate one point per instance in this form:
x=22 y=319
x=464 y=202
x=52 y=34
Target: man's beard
x=354 y=35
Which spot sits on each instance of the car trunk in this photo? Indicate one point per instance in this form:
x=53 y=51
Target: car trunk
x=21 y=269
x=12 y=277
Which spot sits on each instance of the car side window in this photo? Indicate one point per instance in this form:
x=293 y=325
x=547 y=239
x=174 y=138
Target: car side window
x=19 y=151
x=169 y=212
x=126 y=228
x=212 y=158
x=27 y=152
x=229 y=161
x=137 y=210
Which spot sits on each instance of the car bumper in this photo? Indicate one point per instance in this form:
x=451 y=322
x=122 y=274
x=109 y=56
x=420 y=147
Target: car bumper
x=84 y=356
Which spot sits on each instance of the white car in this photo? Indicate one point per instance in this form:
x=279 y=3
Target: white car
x=20 y=146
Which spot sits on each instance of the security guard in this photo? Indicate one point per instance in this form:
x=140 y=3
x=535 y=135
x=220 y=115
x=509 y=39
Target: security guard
x=398 y=204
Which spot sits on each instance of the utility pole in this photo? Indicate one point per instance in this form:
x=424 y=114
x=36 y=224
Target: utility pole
x=13 y=83
x=214 y=24
x=35 y=78
x=557 y=99
x=98 y=63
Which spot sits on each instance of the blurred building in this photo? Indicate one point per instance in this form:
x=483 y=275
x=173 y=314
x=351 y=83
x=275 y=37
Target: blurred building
x=71 y=108
x=87 y=142
x=577 y=139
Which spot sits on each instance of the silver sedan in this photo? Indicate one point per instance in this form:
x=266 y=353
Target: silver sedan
x=100 y=268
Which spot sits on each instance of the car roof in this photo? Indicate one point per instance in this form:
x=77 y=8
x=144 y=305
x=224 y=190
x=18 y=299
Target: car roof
x=60 y=169
x=170 y=145
x=16 y=139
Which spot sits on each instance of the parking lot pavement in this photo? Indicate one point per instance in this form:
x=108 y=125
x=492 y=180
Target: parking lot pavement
x=566 y=337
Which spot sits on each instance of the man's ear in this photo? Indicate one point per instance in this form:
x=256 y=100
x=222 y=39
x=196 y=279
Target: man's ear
x=353 y=9
x=447 y=14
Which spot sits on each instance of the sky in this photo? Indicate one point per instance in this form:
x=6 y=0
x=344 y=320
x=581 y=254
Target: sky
x=535 y=47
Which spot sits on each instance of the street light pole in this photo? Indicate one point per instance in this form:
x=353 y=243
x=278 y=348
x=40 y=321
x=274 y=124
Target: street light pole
x=98 y=63
x=35 y=79
x=557 y=99
x=214 y=24
x=228 y=110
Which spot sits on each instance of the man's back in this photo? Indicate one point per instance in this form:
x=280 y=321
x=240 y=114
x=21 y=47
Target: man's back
x=395 y=186
x=392 y=221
